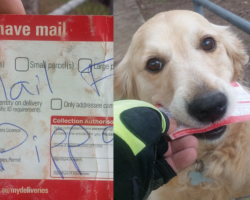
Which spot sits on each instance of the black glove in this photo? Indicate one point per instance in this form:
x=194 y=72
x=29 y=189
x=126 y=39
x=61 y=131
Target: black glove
x=139 y=145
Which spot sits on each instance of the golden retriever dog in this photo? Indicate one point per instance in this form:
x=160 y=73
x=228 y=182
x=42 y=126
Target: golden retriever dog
x=183 y=62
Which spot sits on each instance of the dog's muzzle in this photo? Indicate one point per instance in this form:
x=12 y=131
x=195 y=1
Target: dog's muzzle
x=208 y=108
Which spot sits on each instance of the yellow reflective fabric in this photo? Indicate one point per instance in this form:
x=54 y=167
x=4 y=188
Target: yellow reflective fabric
x=134 y=143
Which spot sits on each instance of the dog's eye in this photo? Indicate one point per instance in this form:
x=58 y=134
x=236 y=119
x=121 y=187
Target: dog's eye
x=154 y=64
x=208 y=44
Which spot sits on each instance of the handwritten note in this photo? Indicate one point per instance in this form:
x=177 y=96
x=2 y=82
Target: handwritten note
x=56 y=108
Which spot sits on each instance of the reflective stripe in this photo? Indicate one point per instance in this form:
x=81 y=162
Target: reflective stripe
x=134 y=143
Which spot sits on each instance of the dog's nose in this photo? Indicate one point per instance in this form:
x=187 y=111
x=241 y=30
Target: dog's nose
x=208 y=107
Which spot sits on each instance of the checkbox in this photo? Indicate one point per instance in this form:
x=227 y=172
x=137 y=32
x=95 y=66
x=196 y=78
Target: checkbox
x=84 y=65
x=56 y=104
x=22 y=64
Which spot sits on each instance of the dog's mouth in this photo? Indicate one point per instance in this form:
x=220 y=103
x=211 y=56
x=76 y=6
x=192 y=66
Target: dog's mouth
x=212 y=134
x=208 y=135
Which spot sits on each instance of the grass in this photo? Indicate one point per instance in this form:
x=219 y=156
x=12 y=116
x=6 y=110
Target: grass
x=87 y=8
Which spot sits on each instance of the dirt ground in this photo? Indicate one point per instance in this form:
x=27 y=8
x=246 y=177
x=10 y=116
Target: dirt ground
x=88 y=8
x=148 y=8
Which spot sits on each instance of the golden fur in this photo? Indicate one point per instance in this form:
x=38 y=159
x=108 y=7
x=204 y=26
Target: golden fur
x=175 y=38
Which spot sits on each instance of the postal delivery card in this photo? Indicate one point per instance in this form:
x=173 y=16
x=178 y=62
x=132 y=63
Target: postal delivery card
x=56 y=101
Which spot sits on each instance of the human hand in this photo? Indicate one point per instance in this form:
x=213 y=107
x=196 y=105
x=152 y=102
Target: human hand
x=11 y=7
x=181 y=152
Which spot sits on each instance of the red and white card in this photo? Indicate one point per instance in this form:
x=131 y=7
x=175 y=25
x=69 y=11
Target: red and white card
x=56 y=107
x=240 y=113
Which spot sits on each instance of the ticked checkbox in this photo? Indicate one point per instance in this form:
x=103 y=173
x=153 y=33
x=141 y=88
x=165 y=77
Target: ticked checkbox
x=84 y=65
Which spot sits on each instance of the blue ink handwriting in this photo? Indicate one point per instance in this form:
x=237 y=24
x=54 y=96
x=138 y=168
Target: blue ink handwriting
x=74 y=146
x=69 y=148
x=103 y=134
x=4 y=151
x=89 y=71
x=23 y=85
x=34 y=138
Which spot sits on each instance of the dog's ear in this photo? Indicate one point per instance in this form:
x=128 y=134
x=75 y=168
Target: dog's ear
x=235 y=51
x=124 y=82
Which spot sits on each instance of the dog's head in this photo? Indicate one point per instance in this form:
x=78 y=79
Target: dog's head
x=180 y=60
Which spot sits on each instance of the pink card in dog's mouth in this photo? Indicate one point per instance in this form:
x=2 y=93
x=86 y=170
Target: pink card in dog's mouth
x=241 y=113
